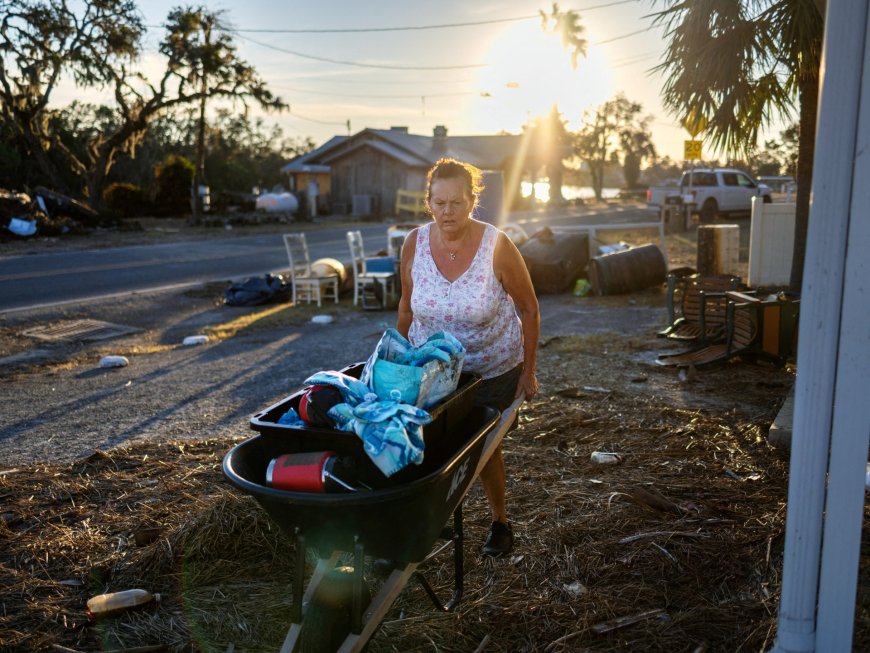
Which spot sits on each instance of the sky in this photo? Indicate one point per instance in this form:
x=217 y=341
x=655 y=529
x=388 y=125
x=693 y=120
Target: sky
x=480 y=78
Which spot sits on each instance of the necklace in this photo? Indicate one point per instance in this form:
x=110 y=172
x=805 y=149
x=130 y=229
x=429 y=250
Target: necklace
x=453 y=253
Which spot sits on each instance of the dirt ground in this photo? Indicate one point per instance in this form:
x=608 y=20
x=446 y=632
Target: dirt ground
x=111 y=479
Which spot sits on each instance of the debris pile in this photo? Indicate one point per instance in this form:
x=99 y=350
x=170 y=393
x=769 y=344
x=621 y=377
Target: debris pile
x=677 y=547
x=43 y=212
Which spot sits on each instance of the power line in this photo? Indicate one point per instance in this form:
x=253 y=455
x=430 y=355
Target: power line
x=622 y=36
x=406 y=28
x=356 y=63
x=319 y=122
x=366 y=95
x=395 y=67
x=380 y=82
x=631 y=61
x=403 y=28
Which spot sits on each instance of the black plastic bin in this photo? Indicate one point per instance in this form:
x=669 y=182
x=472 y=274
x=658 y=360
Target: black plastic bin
x=399 y=522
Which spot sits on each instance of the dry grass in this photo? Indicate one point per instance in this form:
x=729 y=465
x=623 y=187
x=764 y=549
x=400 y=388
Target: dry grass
x=685 y=533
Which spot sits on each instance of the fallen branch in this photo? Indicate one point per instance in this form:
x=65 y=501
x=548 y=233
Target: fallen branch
x=646 y=536
x=482 y=646
x=654 y=499
x=154 y=648
x=621 y=622
x=565 y=638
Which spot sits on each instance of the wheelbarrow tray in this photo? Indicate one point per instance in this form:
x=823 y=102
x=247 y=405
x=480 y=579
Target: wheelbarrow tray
x=447 y=415
x=400 y=522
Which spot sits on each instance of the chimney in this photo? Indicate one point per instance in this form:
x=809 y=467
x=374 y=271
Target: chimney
x=402 y=130
x=439 y=135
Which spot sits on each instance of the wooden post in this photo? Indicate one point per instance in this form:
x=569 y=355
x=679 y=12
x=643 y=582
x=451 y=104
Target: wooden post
x=718 y=249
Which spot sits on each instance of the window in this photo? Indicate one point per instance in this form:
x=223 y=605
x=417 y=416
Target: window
x=745 y=181
x=730 y=179
x=704 y=179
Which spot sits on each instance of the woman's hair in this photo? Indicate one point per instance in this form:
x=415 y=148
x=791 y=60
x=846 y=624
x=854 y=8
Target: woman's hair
x=453 y=169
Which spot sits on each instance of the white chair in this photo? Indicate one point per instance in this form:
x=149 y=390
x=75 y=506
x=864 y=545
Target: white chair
x=306 y=285
x=367 y=283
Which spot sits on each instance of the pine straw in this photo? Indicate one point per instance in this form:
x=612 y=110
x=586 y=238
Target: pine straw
x=688 y=529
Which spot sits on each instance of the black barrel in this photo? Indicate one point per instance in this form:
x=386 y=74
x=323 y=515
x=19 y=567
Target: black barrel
x=627 y=270
x=555 y=260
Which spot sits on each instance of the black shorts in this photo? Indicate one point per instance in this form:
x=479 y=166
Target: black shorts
x=499 y=391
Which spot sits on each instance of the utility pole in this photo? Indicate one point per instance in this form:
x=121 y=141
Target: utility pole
x=198 y=184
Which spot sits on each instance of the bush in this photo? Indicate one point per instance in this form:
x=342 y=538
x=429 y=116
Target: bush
x=126 y=200
x=172 y=180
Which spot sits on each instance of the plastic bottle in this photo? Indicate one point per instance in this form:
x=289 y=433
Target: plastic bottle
x=114 y=361
x=605 y=458
x=106 y=604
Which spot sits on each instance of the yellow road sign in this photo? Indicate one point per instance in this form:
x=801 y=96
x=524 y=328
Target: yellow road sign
x=691 y=150
x=694 y=123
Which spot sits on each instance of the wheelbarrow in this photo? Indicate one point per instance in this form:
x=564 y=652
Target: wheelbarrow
x=401 y=519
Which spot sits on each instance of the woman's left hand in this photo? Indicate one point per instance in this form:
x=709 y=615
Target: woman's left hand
x=528 y=385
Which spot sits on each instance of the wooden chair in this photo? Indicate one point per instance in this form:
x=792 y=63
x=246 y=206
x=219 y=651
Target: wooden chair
x=307 y=286
x=755 y=327
x=374 y=289
x=702 y=306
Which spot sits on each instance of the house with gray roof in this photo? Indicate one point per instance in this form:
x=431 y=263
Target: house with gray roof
x=368 y=168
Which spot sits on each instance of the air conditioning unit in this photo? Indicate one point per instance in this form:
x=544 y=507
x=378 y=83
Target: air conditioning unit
x=771 y=241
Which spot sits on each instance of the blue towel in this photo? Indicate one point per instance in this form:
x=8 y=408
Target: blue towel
x=291 y=418
x=391 y=432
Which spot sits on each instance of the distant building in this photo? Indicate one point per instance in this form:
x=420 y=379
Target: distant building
x=367 y=169
x=302 y=175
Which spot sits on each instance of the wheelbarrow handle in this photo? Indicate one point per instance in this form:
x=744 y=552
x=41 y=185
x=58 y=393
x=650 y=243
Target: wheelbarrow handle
x=496 y=435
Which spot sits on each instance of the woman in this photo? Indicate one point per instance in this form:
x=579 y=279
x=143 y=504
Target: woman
x=466 y=277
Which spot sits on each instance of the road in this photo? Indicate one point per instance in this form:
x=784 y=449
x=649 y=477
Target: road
x=73 y=276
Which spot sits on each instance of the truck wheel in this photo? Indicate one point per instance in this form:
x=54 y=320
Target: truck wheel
x=327 y=620
x=709 y=211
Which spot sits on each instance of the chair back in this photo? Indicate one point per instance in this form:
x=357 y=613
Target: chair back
x=357 y=251
x=297 y=254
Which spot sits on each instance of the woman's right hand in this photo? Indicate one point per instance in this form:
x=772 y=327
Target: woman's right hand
x=528 y=385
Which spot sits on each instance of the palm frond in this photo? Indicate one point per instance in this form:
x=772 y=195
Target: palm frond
x=735 y=63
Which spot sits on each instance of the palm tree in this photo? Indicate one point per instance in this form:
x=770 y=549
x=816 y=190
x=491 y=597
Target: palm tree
x=732 y=65
x=550 y=144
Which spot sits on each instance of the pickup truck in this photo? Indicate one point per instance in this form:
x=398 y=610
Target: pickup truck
x=710 y=192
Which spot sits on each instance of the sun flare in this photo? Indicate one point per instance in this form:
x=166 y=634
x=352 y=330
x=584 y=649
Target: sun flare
x=529 y=71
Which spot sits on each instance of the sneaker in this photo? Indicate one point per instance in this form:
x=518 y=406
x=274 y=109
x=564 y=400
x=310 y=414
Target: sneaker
x=499 y=541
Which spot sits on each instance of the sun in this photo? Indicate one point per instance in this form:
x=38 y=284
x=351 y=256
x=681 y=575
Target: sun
x=528 y=72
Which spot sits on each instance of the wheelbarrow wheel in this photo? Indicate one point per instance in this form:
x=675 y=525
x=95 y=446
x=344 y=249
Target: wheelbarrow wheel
x=327 y=620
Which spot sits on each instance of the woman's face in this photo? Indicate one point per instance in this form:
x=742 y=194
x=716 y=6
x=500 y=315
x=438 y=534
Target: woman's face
x=450 y=203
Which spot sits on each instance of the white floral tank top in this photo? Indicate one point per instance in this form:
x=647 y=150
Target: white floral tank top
x=475 y=308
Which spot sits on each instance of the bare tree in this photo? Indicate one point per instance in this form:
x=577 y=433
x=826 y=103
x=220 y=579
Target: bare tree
x=550 y=144
x=616 y=127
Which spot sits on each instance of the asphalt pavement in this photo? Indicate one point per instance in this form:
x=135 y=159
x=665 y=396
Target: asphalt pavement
x=45 y=279
x=59 y=403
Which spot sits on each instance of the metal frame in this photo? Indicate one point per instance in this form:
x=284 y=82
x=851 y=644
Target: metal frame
x=593 y=229
x=364 y=624
x=364 y=282
x=306 y=285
